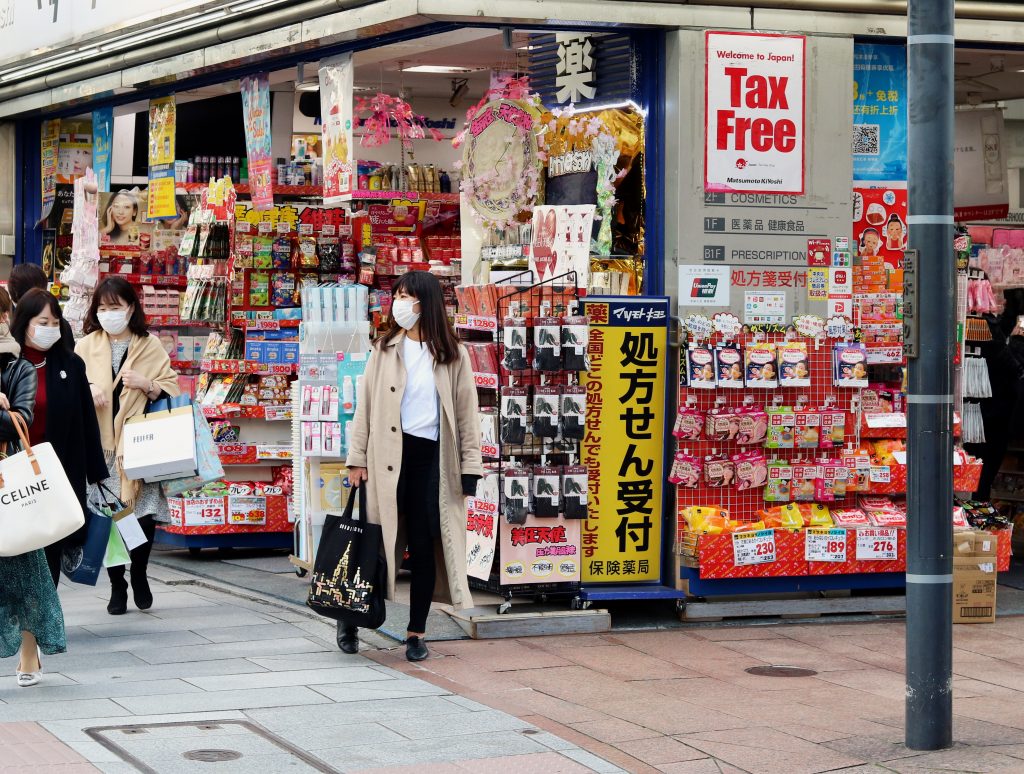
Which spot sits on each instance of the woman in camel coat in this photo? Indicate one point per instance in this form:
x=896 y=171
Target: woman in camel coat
x=416 y=448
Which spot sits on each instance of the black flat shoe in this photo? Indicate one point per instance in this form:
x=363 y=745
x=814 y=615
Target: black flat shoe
x=141 y=592
x=348 y=638
x=416 y=649
x=118 y=604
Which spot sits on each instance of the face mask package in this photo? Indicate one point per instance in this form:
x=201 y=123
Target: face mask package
x=729 y=366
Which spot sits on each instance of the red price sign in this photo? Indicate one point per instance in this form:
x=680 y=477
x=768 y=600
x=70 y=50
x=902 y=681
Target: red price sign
x=876 y=544
x=753 y=547
x=487 y=381
x=825 y=545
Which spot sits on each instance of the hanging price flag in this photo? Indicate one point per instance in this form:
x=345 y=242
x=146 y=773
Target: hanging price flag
x=753 y=547
x=825 y=545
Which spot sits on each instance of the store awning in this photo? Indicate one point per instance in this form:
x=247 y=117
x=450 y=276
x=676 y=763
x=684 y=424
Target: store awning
x=221 y=36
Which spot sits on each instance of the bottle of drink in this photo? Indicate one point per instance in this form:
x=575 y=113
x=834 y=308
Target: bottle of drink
x=446 y=182
x=234 y=169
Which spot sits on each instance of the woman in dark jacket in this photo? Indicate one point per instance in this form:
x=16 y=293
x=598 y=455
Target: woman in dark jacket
x=64 y=412
x=31 y=620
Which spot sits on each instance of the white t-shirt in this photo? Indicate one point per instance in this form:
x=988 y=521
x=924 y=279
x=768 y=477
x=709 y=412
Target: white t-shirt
x=420 y=416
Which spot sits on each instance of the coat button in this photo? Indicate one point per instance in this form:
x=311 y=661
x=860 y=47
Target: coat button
x=392 y=389
x=394 y=429
x=390 y=468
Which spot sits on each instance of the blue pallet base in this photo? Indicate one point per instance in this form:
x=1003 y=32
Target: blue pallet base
x=236 y=540
x=631 y=592
x=807 y=583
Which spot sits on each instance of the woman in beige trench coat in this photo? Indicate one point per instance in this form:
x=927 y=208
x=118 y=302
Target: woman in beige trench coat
x=416 y=447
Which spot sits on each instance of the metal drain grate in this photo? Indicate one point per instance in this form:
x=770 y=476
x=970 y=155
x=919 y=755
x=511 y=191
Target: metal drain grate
x=780 y=671
x=166 y=746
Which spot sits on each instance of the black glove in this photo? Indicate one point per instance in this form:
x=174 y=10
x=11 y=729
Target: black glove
x=469 y=483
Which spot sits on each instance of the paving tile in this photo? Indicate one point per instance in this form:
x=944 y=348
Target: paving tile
x=484 y=722
x=613 y=730
x=144 y=672
x=626 y=663
x=377 y=690
x=592 y=762
x=360 y=712
x=328 y=676
x=223 y=700
x=699 y=766
x=74 y=730
x=229 y=650
x=86 y=642
x=427 y=768
x=766 y=750
x=317 y=660
x=870 y=748
x=253 y=633
x=337 y=735
x=61 y=710
x=500 y=655
x=145 y=624
x=47 y=692
x=536 y=763
x=455 y=748
x=661 y=749
x=956 y=760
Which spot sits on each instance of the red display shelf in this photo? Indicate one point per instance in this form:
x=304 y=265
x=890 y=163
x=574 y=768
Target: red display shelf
x=224 y=515
x=184 y=365
x=412 y=196
x=248 y=367
x=265 y=325
x=156 y=280
x=242 y=189
x=238 y=411
x=237 y=453
x=173 y=321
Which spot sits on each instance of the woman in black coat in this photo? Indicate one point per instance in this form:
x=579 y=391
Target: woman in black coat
x=64 y=413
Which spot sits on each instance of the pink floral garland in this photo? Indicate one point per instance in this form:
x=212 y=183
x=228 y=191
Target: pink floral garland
x=384 y=113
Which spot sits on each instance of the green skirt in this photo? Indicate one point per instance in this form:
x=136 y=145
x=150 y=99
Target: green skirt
x=29 y=603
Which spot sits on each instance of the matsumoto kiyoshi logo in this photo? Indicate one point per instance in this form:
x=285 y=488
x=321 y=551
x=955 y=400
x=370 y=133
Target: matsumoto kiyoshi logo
x=704 y=287
x=741 y=163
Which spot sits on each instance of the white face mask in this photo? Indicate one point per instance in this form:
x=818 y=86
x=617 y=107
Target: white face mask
x=113 y=322
x=402 y=311
x=44 y=337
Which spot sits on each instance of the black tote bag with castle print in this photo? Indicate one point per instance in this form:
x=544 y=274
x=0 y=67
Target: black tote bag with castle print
x=350 y=574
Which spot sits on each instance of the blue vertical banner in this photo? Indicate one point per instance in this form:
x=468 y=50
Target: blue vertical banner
x=102 y=137
x=879 y=113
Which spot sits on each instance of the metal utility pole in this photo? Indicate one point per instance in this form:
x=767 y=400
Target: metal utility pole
x=929 y=710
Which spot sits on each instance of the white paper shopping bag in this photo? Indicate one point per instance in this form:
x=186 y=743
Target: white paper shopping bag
x=160 y=445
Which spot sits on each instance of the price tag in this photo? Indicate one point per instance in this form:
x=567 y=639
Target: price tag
x=265 y=227
x=876 y=544
x=283 y=228
x=886 y=421
x=753 y=547
x=247 y=510
x=487 y=381
x=825 y=545
x=204 y=512
x=489 y=450
x=880 y=474
x=278 y=413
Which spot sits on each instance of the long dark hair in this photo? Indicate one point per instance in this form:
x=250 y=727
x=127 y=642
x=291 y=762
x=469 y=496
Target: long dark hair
x=32 y=304
x=435 y=329
x=112 y=290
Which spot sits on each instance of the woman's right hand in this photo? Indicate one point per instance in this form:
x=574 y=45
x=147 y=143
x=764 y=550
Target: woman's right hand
x=356 y=476
x=99 y=396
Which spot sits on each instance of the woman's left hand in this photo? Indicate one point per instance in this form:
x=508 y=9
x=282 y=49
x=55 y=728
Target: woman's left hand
x=136 y=381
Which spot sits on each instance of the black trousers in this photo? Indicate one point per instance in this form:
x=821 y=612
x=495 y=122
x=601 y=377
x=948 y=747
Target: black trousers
x=139 y=556
x=418 y=496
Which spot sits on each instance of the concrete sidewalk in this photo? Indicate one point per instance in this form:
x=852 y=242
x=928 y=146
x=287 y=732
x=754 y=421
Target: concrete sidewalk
x=213 y=681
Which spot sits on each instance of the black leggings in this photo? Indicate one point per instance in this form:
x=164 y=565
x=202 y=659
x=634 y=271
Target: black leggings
x=139 y=556
x=418 y=505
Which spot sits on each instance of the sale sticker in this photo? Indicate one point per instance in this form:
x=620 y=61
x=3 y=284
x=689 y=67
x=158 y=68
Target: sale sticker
x=204 y=512
x=754 y=108
x=823 y=544
x=251 y=511
x=880 y=474
x=753 y=547
x=817 y=284
x=876 y=544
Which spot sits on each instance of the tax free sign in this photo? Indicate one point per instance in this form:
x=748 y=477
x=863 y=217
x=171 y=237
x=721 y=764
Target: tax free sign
x=754 y=113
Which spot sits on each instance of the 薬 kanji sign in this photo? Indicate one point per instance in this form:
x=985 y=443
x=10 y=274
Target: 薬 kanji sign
x=623 y=448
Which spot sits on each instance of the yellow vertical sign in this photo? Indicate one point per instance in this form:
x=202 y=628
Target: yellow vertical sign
x=162 y=128
x=623 y=448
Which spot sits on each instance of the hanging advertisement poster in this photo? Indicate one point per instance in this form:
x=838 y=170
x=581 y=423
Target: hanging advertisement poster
x=879 y=113
x=74 y=155
x=540 y=551
x=980 y=188
x=256 y=110
x=754 y=113
x=162 y=125
x=102 y=137
x=880 y=224
x=482 y=536
x=49 y=144
x=623 y=449
x=561 y=242
x=336 y=81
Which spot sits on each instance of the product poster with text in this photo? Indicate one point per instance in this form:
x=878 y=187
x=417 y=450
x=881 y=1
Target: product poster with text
x=256 y=110
x=980 y=187
x=561 y=242
x=623 y=446
x=481 y=535
x=49 y=143
x=102 y=137
x=74 y=155
x=879 y=113
x=540 y=551
x=162 y=127
x=754 y=109
x=336 y=82
x=880 y=224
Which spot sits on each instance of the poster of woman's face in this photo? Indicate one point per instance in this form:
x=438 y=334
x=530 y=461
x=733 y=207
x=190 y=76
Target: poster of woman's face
x=122 y=216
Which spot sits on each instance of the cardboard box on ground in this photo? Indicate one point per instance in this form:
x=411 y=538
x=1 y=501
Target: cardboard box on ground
x=974 y=577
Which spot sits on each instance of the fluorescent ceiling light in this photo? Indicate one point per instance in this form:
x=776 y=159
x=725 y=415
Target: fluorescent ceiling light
x=308 y=86
x=159 y=32
x=440 y=69
x=48 y=64
x=253 y=5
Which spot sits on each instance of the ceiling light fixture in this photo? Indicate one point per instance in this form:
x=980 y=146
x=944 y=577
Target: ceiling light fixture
x=253 y=5
x=440 y=69
x=159 y=32
x=49 y=64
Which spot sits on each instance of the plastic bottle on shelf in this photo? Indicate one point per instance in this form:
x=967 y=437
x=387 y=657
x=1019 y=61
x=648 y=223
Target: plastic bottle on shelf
x=243 y=171
x=445 y=182
x=235 y=169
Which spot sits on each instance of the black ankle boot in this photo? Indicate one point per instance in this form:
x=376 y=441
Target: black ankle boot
x=118 y=604
x=416 y=649
x=141 y=591
x=348 y=638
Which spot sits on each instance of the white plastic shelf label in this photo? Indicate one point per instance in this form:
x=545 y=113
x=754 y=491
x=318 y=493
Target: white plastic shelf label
x=825 y=544
x=878 y=544
x=753 y=547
